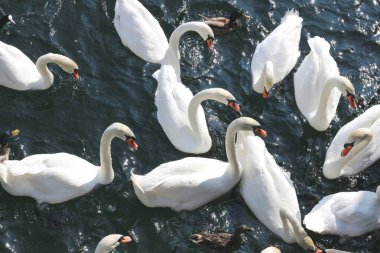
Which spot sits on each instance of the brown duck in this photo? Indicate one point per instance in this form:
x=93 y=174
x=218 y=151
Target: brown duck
x=223 y=25
x=4 y=144
x=223 y=241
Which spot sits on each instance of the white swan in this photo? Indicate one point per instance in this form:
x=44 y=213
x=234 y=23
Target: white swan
x=355 y=147
x=18 y=72
x=181 y=115
x=140 y=31
x=191 y=182
x=110 y=242
x=143 y=35
x=277 y=54
x=55 y=178
x=346 y=213
x=266 y=188
x=318 y=85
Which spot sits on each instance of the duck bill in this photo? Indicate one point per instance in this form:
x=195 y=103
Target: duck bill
x=346 y=150
x=265 y=93
x=132 y=144
x=351 y=101
x=11 y=20
x=261 y=132
x=15 y=132
x=76 y=74
x=235 y=107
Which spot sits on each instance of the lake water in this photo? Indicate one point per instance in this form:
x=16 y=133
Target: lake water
x=117 y=86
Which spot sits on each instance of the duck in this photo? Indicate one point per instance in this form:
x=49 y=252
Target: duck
x=318 y=85
x=5 y=19
x=271 y=249
x=192 y=182
x=224 y=25
x=355 y=147
x=142 y=34
x=4 y=143
x=18 y=72
x=181 y=115
x=110 y=242
x=222 y=241
x=345 y=214
x=59 y=177
x=277 y=54
x=266 y=189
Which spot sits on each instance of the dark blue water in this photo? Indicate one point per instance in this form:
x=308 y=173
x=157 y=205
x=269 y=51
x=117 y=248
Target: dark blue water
x=116 y=85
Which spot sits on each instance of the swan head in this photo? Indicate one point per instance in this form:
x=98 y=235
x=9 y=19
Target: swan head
x=222 y=96
x=205 y=32
x=124 y=133
x=354 y=138
x=248 y=124
x=267 y=78
x=347 y=89
x=68 y=65
x=110 y=242
x=306 y=243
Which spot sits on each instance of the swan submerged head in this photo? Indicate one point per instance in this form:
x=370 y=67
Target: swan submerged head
x=355 y=137
x=267 y=78
x=110 y=242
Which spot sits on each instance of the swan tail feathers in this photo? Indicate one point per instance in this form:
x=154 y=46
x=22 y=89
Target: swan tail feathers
x=290 y=13
x=319 y=45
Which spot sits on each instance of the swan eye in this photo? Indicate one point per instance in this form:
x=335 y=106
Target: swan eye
x=351 y=144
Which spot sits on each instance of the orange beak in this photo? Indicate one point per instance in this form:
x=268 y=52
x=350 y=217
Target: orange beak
x=210 y=43
x=132 y=144
x=126 y=239
x=261 y=132
x=351 y=101
x=346 y=150
x=76 y=74
x=234 y=106
x=265 y=93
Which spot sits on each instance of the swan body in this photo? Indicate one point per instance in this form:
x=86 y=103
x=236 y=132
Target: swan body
x=140 y=31
x=180 y=114
x=224 y=25
x=110 y=242
x=318 y=85
x=222 y=241
x=266 y=188
x=18 y=72
x=277 y=54
x=191 y=182
x=55 y=178
x=361 y=137
x=346 y=214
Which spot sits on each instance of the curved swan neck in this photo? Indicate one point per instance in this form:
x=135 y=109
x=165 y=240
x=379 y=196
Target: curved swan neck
x=266 y=78
x=41 y=64
x=321 y=113
x=299 y=233
x=106 y=170
x=231 y=148
x=195 y=103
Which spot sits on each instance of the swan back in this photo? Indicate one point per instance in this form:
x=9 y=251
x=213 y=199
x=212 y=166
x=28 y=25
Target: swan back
x=110 y=242
x=280 y=47
x=140 y=31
